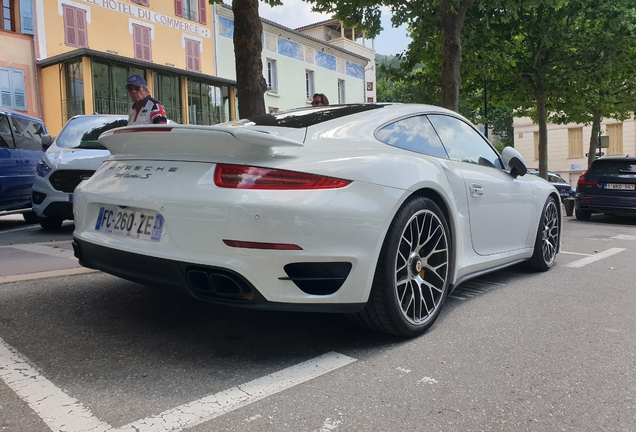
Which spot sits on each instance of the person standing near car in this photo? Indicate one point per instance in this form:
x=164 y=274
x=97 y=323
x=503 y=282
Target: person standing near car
x=319 y=99
x=145 y=109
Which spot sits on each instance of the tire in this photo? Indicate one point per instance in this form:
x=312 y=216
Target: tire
x=582 y=214
x=50 y=223
x=548 y=237
x=411 y=278
x=30 y=217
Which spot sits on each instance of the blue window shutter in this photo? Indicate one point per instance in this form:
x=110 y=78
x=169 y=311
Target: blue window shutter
x=6 y=95
x=19 y=93
x=26 y=16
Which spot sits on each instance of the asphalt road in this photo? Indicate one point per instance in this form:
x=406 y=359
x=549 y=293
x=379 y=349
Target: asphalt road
x=513 y=350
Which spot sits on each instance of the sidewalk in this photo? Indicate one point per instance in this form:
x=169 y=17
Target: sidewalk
x=37 y=261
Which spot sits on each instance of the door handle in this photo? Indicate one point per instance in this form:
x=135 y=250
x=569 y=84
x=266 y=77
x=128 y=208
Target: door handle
x=476 y=190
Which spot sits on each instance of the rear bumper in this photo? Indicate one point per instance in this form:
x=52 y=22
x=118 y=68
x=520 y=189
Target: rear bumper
x=593 y=204
x=205 y=283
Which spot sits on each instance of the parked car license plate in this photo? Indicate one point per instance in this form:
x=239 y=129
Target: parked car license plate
x=619 y=186
x=142 y=224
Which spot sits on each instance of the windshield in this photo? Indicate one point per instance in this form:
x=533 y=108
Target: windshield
x=82 y=132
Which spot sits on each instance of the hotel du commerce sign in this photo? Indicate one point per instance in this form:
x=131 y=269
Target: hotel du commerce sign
x=154 y=17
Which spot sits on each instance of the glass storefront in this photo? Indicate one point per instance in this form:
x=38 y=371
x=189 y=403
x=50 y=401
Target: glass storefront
x=168 y=92
x=73 y=102
x=206 y=103
x=109 y=87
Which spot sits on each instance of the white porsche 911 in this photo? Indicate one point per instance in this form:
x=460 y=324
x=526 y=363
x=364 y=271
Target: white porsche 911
x=376 y=211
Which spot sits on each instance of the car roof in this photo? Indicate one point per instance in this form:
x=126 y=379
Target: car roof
x=19 y=114
x=309 y=116
x=606 y=159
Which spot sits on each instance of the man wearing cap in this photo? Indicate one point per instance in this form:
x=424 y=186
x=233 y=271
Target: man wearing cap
x=145 y=109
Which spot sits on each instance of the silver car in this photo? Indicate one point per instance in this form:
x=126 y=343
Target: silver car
x=74 y=156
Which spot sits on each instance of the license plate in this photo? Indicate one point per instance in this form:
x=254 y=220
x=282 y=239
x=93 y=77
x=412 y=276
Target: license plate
x=619 y=186
x=141 y=224
x=565 y=193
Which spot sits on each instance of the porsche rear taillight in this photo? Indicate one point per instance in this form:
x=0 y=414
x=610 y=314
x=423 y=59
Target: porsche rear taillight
x=246 y=177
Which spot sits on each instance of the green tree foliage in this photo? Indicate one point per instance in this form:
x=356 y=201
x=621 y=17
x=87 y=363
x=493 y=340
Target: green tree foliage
x=434 y=25
x=539 y=55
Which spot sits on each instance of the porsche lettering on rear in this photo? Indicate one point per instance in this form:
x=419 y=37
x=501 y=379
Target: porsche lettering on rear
x=121 y=167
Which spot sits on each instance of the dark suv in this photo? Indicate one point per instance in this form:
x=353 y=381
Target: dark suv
x=608 y=186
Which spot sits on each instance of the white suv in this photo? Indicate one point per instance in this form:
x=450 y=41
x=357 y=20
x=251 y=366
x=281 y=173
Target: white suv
x=74 y=156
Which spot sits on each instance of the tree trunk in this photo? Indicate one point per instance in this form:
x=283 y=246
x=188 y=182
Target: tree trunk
x=452 y=21
x=250 y=83
x=594 y=140
x=542 y=119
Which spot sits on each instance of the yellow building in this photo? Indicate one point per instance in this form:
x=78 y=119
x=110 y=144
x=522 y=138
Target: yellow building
x=87 y=48
x=568 y=144
x=18 y=78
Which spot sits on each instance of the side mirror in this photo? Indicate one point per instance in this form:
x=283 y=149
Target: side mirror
x=513 y=161
x=46 y=141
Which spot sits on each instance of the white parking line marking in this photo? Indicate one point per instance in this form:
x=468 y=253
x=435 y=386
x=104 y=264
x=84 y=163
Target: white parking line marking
x=207 y=408
x=61 y=412
x=574 y=253
x=58 y=410
x=623 y=237
x=593 y=258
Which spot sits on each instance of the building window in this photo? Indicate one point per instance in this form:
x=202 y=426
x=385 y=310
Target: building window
x=341 y=92
x=73 y=103
x=141 y=42
x=141 y=2
x=272 y=76
x=7 y=22
x=75 y=27
x=205 y=103
x=168 y=91
x=615 y=133
x=193 y=10
x=193 y=55
x=575 y=142
x=536 y=145
x=12 y=89
x=109 y=87
x=309 y=84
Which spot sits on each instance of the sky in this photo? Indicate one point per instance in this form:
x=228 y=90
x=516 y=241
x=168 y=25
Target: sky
x=297 y=13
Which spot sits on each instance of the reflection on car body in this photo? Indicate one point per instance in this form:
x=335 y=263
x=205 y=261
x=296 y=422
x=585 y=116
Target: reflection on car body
x=376 y=211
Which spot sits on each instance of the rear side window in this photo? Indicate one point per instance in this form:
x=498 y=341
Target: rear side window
x=28 y=133
x=6 y=139
x=463 y=143
x=414 y=134
x=614 y=167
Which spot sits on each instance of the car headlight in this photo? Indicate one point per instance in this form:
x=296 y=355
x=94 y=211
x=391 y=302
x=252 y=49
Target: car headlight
x=43 y=168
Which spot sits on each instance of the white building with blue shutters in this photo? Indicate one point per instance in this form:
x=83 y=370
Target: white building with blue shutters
x=297 y=65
